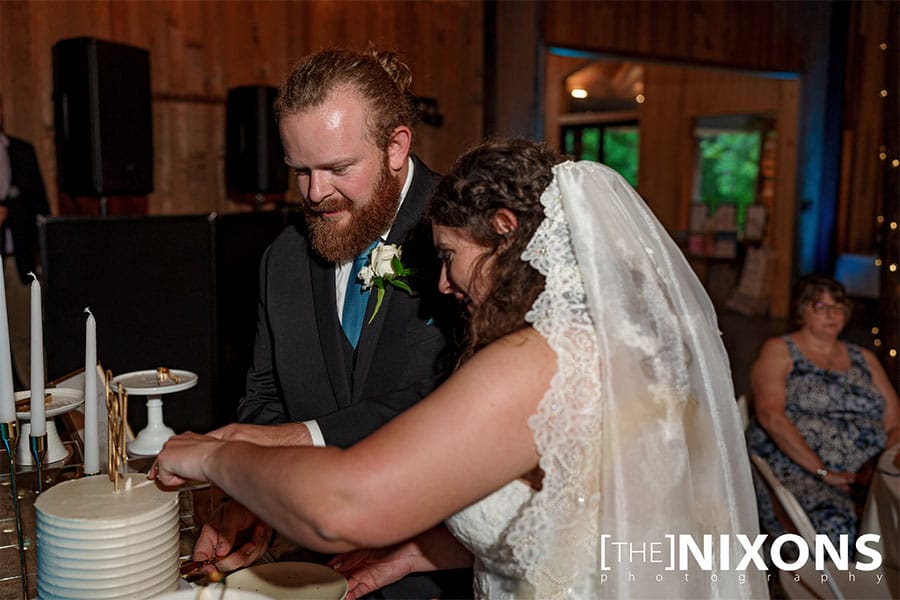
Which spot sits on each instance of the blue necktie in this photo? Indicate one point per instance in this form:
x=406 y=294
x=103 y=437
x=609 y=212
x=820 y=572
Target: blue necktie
x=355 y=298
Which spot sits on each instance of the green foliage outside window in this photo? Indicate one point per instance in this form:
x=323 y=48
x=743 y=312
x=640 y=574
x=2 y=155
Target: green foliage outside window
x=590 y=144
x=620 y=145
x=620 y=151
x=729 y=169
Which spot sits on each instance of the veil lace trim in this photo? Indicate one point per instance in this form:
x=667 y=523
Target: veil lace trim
x=638 y=433
x=567 y=424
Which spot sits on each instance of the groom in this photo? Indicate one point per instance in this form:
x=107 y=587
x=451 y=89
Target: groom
x=328 y=367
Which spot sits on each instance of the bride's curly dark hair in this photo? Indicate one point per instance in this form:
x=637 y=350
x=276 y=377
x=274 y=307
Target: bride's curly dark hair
x=499 y=173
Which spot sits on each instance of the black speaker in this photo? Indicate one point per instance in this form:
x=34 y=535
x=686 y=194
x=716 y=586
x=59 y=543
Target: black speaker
x=104 y=127
x=254 y=157
x=178 y=291
x=150 y=287
x=241 y=239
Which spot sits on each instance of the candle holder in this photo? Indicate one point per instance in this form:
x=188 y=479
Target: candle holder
x=149 y=441
x=9 y=434
x=38 y=446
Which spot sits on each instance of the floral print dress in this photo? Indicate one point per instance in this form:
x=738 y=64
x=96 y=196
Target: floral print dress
x=839 y=414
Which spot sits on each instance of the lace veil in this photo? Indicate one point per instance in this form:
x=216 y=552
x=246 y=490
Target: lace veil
x=639 y=433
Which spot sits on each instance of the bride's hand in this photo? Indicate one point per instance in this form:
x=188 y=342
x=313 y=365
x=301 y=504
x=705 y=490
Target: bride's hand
x=182 y=459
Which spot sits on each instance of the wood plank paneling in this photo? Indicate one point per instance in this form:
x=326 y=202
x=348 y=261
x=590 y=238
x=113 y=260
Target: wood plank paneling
x=516 y=57
x=889 y=303
x=752 y=35
x=676 y=97
x=862 y=198
x=199 y=49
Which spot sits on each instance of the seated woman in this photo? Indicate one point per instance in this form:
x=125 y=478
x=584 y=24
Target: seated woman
x=593 y=408
x=823 y=408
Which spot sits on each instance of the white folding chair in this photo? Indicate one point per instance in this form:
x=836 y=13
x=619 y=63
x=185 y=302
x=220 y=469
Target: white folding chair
x=810 y=586
x=882 y=516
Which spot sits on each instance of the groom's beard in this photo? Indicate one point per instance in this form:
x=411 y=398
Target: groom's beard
x=340 y=241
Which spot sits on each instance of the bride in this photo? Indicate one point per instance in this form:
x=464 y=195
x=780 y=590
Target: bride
x=590 y=425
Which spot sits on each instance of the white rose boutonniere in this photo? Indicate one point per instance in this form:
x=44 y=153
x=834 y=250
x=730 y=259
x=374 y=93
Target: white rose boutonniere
x=384 y=268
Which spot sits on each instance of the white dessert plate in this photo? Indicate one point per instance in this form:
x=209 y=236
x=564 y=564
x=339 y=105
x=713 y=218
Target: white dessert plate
x=144 y=383
x=61 y=400
x=294 y=580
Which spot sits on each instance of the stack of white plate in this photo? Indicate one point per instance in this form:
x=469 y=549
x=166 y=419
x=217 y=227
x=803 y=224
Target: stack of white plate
x=93 y=543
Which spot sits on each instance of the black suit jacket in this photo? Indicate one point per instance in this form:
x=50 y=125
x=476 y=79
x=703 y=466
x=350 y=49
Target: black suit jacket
x=304 y=367
x=26 y=200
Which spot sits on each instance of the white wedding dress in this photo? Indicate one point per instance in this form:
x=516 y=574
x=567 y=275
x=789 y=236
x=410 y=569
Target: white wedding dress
x=639 y=434
x=482 y=528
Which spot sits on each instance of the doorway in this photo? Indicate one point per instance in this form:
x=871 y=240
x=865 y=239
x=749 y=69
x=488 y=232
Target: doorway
x=665 y=105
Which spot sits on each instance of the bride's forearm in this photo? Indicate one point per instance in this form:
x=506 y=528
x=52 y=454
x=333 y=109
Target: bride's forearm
x=292 y=489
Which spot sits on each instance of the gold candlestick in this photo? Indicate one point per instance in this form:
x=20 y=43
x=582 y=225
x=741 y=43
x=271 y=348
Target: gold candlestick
x=117 y=410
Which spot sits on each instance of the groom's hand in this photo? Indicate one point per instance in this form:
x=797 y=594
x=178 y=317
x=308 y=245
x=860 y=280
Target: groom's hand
x=234 y=538
x=371 y=569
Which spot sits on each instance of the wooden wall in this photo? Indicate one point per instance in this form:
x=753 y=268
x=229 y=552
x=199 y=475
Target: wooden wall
x=888 y=237
x=864 y=130
x=758 y=36
x=763 y=35
x=199 y=49
x=676 y=97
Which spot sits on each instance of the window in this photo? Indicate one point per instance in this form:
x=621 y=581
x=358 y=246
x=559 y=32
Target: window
x=728 y=150
x=613 y=144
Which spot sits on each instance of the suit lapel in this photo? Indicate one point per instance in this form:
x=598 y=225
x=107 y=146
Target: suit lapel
x=409 y=216
x=331 y=336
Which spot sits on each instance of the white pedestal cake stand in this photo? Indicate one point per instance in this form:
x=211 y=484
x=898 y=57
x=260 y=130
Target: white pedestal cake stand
x=151 y=438
x=62 y=400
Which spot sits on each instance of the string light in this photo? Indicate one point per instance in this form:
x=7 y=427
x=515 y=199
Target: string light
x=886 y=261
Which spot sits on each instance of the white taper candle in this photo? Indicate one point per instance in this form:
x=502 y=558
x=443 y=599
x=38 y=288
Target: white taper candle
x=91 y=439
x=7 y=395
x=38 y=418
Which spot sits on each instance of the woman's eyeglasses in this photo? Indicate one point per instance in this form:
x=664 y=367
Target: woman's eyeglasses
x=821 y=308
